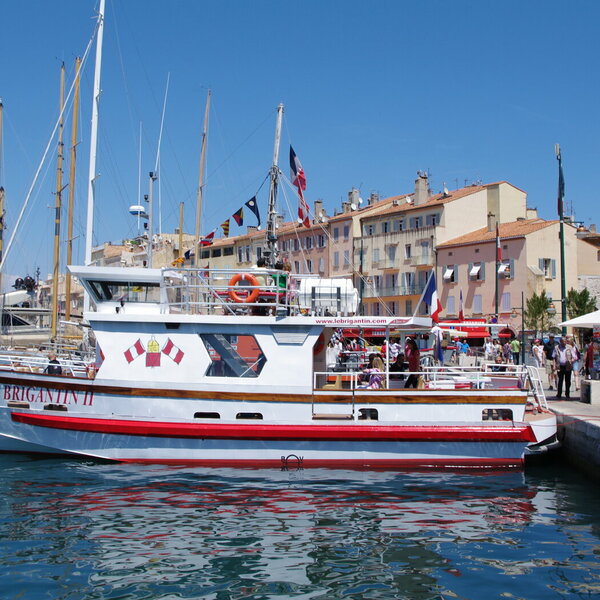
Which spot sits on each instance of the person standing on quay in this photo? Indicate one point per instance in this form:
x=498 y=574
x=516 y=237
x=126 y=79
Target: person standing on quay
x=515 y=347
x=563 y=357
x=550 y=364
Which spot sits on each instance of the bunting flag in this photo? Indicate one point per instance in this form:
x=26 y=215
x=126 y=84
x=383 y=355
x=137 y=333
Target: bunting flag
x=225 y=227
x=461 y=308
x=188 y=254
x=561 y=185
x=208 y=239
x=299 y=180
x=239 y=216
x=431 y=299
x=251 y=204
x=134 y=351
x=172 y=351
x=498 y=246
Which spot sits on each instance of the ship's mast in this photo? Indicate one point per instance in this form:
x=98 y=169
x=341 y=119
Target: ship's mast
x=72 y=189
x=58 y=209
x=271 y=249
x=89 y=230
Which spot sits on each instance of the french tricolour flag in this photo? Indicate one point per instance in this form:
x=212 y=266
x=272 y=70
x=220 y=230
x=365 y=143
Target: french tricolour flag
x=299 y=180
x=172 y=351
x=431 y=299
x=136 y=350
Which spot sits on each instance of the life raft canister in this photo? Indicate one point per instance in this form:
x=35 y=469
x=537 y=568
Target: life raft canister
x=252 y=296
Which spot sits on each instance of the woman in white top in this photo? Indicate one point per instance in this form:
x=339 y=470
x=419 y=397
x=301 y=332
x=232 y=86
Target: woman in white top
x=538 y=354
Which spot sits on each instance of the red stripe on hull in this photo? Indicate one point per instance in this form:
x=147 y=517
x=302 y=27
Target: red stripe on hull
x=354 y=433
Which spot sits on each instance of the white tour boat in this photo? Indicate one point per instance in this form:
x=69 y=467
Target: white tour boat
x=229 y=368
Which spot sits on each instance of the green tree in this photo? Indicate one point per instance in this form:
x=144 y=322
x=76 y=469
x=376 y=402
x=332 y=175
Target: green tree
x=579 y=303
x=536 y=313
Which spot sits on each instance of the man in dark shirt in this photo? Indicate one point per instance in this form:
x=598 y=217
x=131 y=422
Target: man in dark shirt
x=549 y=357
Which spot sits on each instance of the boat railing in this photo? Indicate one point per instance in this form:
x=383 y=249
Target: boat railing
x=257 y=291
x=37 y=364
x=430 y=378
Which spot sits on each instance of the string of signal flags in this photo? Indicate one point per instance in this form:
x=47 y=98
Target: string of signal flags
x=298 y=179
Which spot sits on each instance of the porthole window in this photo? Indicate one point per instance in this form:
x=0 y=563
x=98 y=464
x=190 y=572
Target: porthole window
x=249 y=415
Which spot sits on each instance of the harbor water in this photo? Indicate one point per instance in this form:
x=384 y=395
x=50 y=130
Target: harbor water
x=74 y=529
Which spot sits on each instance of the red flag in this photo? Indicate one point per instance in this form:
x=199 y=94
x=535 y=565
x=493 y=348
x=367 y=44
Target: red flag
x=498 y=246
x=299 y=180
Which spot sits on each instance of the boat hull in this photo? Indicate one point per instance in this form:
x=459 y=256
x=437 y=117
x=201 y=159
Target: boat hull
x=365 y=445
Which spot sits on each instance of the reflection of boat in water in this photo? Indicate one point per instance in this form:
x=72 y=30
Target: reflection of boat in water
x=200 y=527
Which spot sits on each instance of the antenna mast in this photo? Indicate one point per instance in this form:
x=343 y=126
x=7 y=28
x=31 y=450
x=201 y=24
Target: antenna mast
x=271 y=250
x=201 y=182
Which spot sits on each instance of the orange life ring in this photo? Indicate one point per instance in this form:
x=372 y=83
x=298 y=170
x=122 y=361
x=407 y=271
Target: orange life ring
x=252 y=296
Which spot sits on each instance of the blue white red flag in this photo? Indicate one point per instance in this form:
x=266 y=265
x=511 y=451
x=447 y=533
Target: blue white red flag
x=461 y=308
x=299 y=180
x=431 y=299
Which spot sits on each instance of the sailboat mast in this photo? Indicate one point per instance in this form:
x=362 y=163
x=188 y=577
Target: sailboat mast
x=59 y=188
x=1 y=189
x=89 y=230
x=201 y=182
x=271 y=250
x=72 y=189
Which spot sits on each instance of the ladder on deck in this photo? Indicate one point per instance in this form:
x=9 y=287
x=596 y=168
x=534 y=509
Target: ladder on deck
x=537 y=389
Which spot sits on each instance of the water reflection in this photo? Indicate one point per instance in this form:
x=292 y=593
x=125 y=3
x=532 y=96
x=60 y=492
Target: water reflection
x=87 y=530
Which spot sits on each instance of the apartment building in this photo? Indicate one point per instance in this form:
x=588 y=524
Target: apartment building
x=396 y=249
x=530 y=263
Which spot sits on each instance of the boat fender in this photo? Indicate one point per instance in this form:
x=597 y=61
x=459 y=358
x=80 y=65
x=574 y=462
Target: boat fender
x=252 y=296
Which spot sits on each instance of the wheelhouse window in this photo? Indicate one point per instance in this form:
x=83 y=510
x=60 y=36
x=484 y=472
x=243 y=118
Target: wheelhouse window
x=106 y=291
x=233 y=355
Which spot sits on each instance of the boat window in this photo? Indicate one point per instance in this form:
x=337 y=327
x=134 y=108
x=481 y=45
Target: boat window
x=125 y=291
x=233 y=355
x=368 y=414
x=249 y=416
x=497 y=414
x=207 y=415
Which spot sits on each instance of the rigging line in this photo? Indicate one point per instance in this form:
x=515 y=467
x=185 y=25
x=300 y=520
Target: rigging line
x=251 y=134
x=349 y=263
x=157 y=163
x=130 y=109
x=39 y=168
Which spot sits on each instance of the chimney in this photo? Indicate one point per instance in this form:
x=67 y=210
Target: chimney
x=252 y=229
x=346 y=207
x=421 y=188
x=592 y=228
x=279 y=220
x=491 y=222
x=319 y=212
x=354 y=198
x=373 y=198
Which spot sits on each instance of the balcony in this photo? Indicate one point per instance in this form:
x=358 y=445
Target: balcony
x=399 y=290
x=422 y=260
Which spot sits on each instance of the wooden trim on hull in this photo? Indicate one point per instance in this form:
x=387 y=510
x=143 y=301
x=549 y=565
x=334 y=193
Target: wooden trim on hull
x=382 y=396
x=519 y=432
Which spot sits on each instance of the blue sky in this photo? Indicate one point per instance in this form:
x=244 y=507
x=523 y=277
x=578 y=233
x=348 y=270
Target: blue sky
x=373 y=92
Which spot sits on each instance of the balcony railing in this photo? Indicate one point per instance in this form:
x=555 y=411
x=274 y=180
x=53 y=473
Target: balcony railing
x=399 y=290
x=422 y=260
